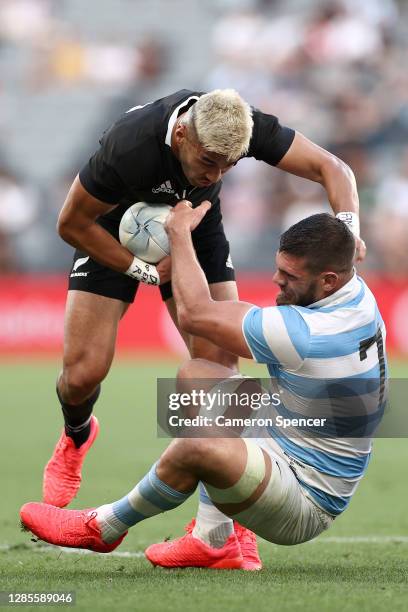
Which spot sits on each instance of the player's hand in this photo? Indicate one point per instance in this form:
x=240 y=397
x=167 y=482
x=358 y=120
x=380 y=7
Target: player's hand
x=183 y=217
x=361 y=249
x=164 y=269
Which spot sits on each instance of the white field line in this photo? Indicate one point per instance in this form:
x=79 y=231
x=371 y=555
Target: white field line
x=50 y=548
x=140 y=554
x=361 y=540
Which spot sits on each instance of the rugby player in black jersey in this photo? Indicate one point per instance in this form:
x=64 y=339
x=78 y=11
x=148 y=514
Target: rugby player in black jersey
x=176 y=148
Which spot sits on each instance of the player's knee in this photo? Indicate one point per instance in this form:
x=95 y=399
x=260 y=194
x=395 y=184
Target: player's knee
x=203 y=368
x=192 y=368
x=215 y=354
x=191 y=372
x=189 y=453
x=79 y=380
x=229 y=360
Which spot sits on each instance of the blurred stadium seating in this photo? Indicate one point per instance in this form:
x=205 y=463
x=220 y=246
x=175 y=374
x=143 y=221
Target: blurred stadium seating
x=334 y=69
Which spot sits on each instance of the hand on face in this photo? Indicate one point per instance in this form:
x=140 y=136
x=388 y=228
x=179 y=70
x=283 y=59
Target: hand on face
x=183 y=217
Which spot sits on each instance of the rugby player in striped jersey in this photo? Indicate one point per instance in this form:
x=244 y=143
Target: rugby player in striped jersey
x=323 y=346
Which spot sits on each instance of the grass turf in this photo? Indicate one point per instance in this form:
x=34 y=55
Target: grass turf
x=339 y=571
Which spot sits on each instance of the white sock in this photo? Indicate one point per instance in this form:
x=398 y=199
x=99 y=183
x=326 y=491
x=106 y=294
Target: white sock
x=149 y=497
x=212 y=526
x=111 y=527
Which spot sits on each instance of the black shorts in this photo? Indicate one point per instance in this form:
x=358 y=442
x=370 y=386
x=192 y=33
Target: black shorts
x=209 y=241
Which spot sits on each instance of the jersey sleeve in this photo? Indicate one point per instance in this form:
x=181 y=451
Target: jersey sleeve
x=270 y=140
x=277 y=335
x=100 y=176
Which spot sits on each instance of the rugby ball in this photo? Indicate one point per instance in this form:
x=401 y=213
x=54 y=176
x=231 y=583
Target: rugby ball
x=142 y=232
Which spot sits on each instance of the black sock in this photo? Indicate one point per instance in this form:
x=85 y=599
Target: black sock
x=78 y=418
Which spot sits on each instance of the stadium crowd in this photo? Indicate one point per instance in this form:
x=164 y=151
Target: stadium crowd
x=333 y=69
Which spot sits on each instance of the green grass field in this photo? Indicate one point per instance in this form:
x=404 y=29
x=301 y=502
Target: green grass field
x=360 y=564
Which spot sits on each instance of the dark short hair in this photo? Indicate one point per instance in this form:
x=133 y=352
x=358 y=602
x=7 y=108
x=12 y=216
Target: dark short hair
x=323 y=240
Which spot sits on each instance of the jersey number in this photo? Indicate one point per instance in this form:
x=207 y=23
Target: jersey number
x=364 y=346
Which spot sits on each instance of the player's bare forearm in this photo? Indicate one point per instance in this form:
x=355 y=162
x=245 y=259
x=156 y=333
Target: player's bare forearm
x=340 y=184
x=308 y=160
x=99 y=245
x=198 y=314
x=190 y=287
x=77 y=226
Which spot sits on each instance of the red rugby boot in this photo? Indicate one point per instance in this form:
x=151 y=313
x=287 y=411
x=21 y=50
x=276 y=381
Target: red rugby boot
x=249 y=548
x=62 y=474
x=189 y=551
x=247 y=542
x=72 y=528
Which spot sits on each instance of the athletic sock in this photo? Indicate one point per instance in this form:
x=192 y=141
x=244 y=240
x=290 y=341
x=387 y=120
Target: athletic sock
x=78 y=418
x=212 y=526
x=150 y=496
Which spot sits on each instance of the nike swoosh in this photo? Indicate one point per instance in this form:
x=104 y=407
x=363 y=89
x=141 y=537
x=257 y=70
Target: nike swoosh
x=79 y=262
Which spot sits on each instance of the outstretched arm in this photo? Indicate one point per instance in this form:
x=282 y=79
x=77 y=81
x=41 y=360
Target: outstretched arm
x=198 y=313
x=306 y=159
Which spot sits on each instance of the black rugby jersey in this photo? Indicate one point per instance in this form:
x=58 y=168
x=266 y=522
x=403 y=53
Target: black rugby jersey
x=135 y=161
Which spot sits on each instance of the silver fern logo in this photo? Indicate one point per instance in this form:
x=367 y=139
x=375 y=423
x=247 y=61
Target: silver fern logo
x=79 y=262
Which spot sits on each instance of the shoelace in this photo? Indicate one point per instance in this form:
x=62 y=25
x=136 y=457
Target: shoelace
x=246 y=536
x=90 y=516
x=247 y=541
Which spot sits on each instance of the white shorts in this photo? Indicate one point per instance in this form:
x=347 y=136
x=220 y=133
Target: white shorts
x=284 y=514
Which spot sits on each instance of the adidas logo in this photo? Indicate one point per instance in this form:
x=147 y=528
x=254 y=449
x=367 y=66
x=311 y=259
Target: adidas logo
x=164 y=188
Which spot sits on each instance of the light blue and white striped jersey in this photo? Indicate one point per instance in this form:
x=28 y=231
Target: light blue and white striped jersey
x=326 y=359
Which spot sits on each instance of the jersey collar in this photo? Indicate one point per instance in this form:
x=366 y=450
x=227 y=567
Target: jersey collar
x=347 y=293
x=173 y=118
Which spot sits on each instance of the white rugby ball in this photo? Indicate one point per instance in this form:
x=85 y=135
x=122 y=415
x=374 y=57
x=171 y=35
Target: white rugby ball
x=142 y=232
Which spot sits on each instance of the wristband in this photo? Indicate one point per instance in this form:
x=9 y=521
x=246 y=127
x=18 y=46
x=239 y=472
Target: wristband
x=351 y=220
x=143 y=272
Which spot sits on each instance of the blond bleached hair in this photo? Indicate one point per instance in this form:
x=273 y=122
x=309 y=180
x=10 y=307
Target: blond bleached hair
x=223 y=123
